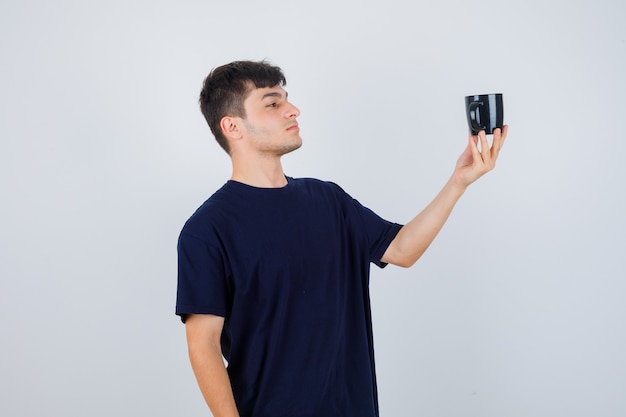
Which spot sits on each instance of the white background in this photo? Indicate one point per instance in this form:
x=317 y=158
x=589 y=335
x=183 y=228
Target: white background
x=516 y=310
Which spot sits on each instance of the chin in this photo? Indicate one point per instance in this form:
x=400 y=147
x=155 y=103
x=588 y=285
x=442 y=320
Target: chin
x=290 y=148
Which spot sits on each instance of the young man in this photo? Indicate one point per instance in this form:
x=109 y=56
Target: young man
x=274 y=271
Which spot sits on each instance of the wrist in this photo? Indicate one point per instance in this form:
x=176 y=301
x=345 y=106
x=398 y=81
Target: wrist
x=456 y=186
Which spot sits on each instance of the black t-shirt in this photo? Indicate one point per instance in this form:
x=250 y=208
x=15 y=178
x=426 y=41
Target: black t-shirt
x=288 y=269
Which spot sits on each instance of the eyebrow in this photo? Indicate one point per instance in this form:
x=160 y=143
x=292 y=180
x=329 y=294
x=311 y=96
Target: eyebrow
x=274 y=94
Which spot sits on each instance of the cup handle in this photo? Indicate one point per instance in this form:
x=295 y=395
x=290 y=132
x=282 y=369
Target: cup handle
x=473 y=107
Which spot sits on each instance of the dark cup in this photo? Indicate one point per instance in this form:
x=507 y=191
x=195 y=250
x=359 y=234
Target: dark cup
x=484 y=112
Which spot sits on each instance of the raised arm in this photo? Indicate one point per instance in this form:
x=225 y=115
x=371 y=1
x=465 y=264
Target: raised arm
x=417 y=235
x=203 y=340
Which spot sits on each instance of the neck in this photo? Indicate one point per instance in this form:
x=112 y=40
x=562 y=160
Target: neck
x=266 y=173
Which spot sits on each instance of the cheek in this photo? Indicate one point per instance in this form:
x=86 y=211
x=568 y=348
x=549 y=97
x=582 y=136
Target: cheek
x=251 y=127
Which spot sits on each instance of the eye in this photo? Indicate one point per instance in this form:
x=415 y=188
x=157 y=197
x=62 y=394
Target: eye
x=272 y=105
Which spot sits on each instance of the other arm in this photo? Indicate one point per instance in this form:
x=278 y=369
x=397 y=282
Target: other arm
x=417 y=235
x=205 y=353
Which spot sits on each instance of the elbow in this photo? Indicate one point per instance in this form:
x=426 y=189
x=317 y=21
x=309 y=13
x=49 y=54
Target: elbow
x=407 y=259
x=404 y=256
x=406 y=263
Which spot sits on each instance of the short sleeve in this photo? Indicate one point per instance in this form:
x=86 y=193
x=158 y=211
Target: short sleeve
x=380 y=232
x=202 y=278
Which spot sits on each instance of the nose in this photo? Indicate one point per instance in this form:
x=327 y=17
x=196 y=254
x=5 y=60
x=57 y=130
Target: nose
x=292 y=111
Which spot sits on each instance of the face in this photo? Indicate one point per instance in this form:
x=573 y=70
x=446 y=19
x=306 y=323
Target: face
x=270 y=124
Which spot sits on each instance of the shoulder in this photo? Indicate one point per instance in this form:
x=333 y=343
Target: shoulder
x=321 y=195
x=315 y=184
x=210 y=213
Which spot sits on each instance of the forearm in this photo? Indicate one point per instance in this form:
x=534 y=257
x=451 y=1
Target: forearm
x=208 y=366
x=417 y=235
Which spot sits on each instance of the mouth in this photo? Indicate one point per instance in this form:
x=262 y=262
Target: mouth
x=294 y=127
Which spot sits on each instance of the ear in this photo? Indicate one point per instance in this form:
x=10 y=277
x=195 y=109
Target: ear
x=230 y=126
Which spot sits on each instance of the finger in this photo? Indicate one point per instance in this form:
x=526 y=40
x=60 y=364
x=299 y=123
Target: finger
x=484 y=146
x=499 y=135
x=473 y=145
x=473 y=139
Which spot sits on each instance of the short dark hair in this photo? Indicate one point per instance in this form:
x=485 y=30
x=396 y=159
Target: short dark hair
x=226 y=88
